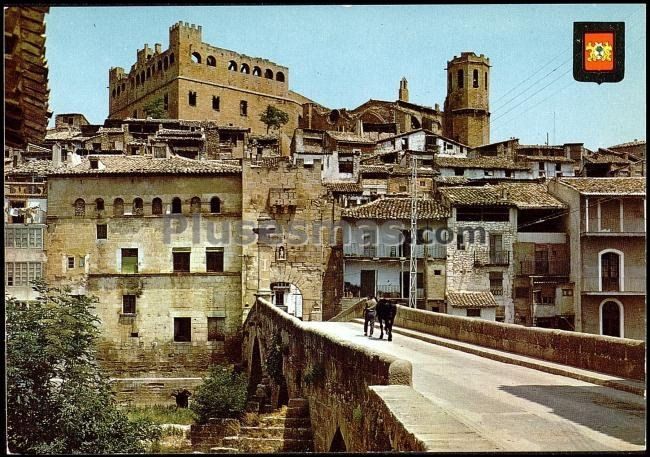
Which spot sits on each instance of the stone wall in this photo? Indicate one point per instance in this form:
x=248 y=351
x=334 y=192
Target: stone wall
x=205 y=437
x=616 y=356
x=151 y=391
x=335 y=377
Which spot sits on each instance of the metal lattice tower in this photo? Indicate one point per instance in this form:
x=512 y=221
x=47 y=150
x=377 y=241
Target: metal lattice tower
x=413 y=263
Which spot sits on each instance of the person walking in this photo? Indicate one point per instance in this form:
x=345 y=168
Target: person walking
x=369 y=314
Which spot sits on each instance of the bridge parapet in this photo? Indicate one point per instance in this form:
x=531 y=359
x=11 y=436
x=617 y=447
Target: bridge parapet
x=335 y=377
x=622 y=357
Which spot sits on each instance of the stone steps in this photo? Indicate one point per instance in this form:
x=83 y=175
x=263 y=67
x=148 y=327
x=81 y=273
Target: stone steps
x=293 y=433
x=297 y=422
x=267 y=445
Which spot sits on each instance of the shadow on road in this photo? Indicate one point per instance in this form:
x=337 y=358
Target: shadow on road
x=619 y=415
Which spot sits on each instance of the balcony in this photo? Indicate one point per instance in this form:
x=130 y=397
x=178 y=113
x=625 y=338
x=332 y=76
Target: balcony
x=614 y=226
x=395 y=291
x=391 y=251
x=26 y=189
x=490 y=258
x=594 y=285
x=542 y=267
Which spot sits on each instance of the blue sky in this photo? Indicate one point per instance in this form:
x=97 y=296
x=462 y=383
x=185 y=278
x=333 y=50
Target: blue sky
x=342 y=56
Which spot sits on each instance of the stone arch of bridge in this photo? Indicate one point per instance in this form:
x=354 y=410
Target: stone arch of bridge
x=337 y=443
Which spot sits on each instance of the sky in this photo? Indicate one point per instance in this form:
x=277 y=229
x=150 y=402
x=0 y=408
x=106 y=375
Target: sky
x=341 y=56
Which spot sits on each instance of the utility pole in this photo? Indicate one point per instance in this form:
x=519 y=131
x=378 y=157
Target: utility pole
x=413 y=264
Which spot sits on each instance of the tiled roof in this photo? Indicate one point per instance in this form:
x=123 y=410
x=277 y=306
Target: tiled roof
x=33 y=167
x=179 y=132
x=370 y=158
x=345 y=187
x=479 y=162
x=606 y=186
x=521 y=195
x=140 y=165
x=628 y=144
x=397 y=208
x=349 y=137
x=540 y=146
x=451 y=180
x=406 y=171
x=54 y=135
x=605 y=156
x=110 y=130
x=374 y=169
x=558 y=159
x=471 y=300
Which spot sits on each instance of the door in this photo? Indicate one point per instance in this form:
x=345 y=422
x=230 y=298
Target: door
x=367 y=283
x=405 y=248
x=496 y=248
x=406 y=284
x=611 y=319
x=610 y=271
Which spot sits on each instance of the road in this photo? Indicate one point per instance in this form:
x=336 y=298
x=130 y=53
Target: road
x=514 y=407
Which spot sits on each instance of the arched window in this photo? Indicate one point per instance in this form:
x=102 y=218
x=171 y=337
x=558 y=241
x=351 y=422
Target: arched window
x=232 y=65
x=132 y=83
x=171 y=59
x=119 y=90
x=142 y=76
x=138 y=207
x=415 y=123
x=611 y=270
x=279 y=76
x=166 y=63
x=461 y=79
x=196 y=57
x=148 y=72
x=159 y=68
x=99 y=204
x=79 y=207
x=195 y=205
x=211 y=61
x=475 y=78
x=118 y=207
x=215 y=205
x=137 y=79
x=268 y=74
x=176 y=206
x=257 y=71
x=245 y=68
x=611 y=318
x=156 y=206
x=123 y=87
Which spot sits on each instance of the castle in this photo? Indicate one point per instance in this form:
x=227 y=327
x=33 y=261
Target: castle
x=196 y=80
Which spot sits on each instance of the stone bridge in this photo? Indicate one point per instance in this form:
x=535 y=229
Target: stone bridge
x=449 y=383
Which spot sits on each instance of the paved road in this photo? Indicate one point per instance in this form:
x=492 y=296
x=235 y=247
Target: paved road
x=516 y=408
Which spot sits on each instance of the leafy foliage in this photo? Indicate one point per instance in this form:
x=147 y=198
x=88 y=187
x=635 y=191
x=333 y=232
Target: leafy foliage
x=273 y=117
x=154 y=109
x=222 y=394
x=315 y=375
x=58 y=400
x=274 y=359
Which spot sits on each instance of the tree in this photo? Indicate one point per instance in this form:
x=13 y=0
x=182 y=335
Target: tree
x=274 y=117
x=222 y=394
x=58 y=400
x=154 y=109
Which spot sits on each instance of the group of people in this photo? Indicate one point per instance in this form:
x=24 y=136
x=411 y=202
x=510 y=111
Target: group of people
x=382 y=310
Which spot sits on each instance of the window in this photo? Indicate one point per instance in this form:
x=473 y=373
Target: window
x=70 y=263
x=102 y=231
x=128 y=304
x=486 y=81
x=138 y=207
x=216 y=328
x=268 y=74
x=459 y=172
x=21 y=273
x=24 y=237
x=475 y=78
x=437 y=272
x=181 y=258
x=195 y=205
x=346 y=166
x=215 y=103
x=118 y=207
x=279 y=76
x=192 y=98
x=558 y=167
x=540 y=165
x=166 y=102
x=257 y=71
x=460 y=241
x=245 y=68
x=182 y=329
x=522 y=292
x=79 y=207
x=171 y=59
x=214 y=260
x=129 y=260
x=567 y=292
x=402 y=188
x=166 y=63
x=460 y=77
x=473 y=312
x=176 y=205
x=243 y=108
x=496 y=282
x=232 y=65
x=215 y=205
x=196 y=57
x=211 y=61
x=99 y=204
x=156 y=206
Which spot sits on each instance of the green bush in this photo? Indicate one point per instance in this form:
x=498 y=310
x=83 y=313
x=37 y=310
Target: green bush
x=274 y=359
x=222 y=395
x=159 y=414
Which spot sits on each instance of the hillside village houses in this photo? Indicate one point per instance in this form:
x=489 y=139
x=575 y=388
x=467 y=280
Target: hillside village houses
x=177 y=224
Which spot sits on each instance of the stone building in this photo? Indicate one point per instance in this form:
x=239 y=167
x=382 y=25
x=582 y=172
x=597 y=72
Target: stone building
x=151 y=238
x=196 y=80
x=606 y=226
x=26 y=89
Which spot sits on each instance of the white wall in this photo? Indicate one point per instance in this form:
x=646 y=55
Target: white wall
x=488 y=314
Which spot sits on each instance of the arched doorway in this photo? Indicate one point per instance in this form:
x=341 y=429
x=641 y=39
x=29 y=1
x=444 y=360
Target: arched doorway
x=611 y=318
x=255 y=376
x=288 y=297
x=338 y=444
